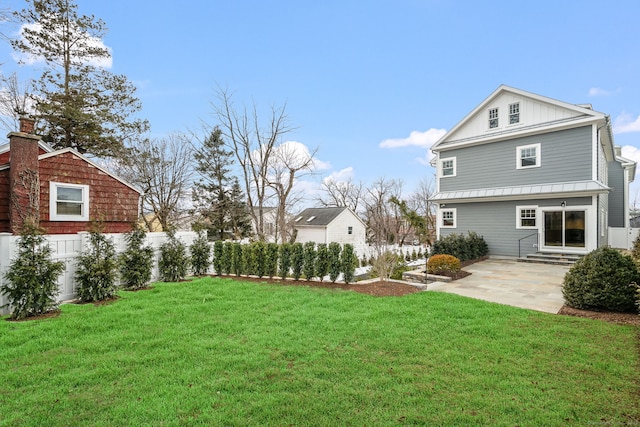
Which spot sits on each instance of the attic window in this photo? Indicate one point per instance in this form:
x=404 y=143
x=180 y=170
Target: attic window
x=493 y=118
x=68 y=202
x=298 y=219
x=514 y=113
x=311 y=218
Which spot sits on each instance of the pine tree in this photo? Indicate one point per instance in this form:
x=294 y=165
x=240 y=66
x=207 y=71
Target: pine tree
x=211 y=194
x=77 y=104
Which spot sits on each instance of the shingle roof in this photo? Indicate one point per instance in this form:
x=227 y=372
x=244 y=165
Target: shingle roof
x=317 y=216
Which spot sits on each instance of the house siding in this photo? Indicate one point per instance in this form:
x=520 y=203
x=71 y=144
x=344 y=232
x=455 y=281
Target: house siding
x=111 y=202
x=566 y=156
x=496 y=222
x=616 y=195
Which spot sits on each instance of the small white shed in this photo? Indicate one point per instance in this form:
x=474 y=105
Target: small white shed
x=326 y=225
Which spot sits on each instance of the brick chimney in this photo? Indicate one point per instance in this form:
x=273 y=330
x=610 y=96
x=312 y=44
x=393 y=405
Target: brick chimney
x=24 y=176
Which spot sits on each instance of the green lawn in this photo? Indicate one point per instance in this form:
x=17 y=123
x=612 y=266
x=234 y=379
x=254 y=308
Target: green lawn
x=218 y=352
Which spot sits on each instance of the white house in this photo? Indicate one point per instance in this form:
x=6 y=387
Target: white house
x=326 y=225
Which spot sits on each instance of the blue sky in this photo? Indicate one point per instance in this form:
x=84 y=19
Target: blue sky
x=372 y=84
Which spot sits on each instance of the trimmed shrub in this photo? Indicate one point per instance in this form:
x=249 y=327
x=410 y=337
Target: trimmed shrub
x=200 y=254
x=334 y=261
x=136 y=262
x=249 y=259
x=272 y=259
x=297 y=260
x=443 y=264
x=97 y=269
x=218 y=247
x=603 y=279
x=309 y=269
x=226 y=257
x=349 y=261
x=174 y=261
x=236 y=259
x=31 y=282
x=260 y=258
x=284 y=264
x=465 y=248
x=322 y=261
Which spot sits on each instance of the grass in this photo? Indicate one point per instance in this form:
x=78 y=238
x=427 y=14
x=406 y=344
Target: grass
x=218 y=352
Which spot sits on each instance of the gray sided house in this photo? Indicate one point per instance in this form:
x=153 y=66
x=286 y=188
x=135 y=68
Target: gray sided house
x=326 y=225
x=532 y=174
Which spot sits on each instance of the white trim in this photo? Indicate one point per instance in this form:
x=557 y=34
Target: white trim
x=440 y=168
x=519 y=151
x=441 y=218
x=53 y=199
x=590 y=233
x=519 y=225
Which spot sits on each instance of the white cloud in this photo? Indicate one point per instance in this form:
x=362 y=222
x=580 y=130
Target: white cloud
x=343 y=175
x=632 y=153
x=596 y=91
x=418 y=139
x=626 y=123
x=92 y=41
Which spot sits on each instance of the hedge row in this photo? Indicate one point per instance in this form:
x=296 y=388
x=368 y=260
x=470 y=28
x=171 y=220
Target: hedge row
x=465 y=248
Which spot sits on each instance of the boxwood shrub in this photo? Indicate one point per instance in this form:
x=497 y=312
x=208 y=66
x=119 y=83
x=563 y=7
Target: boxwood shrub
x=604 y=279
x=465 y=248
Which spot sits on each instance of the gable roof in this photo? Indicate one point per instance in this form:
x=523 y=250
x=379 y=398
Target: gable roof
x=50 y=152
x=318 y=217
x=43 y=145
x=537 y=112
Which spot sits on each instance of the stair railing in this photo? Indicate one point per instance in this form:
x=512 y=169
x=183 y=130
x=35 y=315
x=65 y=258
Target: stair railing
x=526 y=237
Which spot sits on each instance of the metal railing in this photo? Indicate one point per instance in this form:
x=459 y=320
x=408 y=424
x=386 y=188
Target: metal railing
x=526 y=237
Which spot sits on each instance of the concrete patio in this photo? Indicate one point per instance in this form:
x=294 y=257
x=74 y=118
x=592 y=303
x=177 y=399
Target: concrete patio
x=519 y=284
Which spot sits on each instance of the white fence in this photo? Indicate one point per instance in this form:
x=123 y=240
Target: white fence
x=67 y=247
x=622 y=238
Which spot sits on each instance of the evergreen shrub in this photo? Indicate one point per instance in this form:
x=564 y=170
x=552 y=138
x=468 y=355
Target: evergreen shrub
x=334 y=261
x=348 y=261
x=174 y=261
x=97 y=269
x=200 y=254
x=31 y=282
x=136 y=262
x=443 y=264
x=604 y=279
x=465 y=248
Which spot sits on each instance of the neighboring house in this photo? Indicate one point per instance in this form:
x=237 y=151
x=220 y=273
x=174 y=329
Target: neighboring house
x=530 y=173
x=62 y=188
x=269 y=221
x=326 y=225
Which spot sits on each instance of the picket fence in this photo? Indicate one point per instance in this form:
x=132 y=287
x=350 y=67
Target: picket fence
x=67 y=247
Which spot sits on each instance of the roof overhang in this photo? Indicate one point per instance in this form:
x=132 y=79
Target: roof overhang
x=523 y=192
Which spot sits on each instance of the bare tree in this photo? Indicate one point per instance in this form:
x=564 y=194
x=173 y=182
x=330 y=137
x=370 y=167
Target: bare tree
x=383 y=218
x=342 y=194
x=290 y=161
x=253 y=145
x=14 y=101
x=162 y=170
x=421 y=203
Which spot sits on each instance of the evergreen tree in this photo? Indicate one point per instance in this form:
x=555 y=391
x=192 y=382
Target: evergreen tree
x=297 y=259
x=77 y=104
x=322 y=261
x=239 y=217
x=272 y=259
x=309 y=268
x=211 y=193
x=200 y=254
x=237 y=266
x=174 y=261
x=136 y=261
x=31 y=282
x=334 y=261
x=284 y=260
x=218 y=247
x=348 y=261
x=97 y=270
